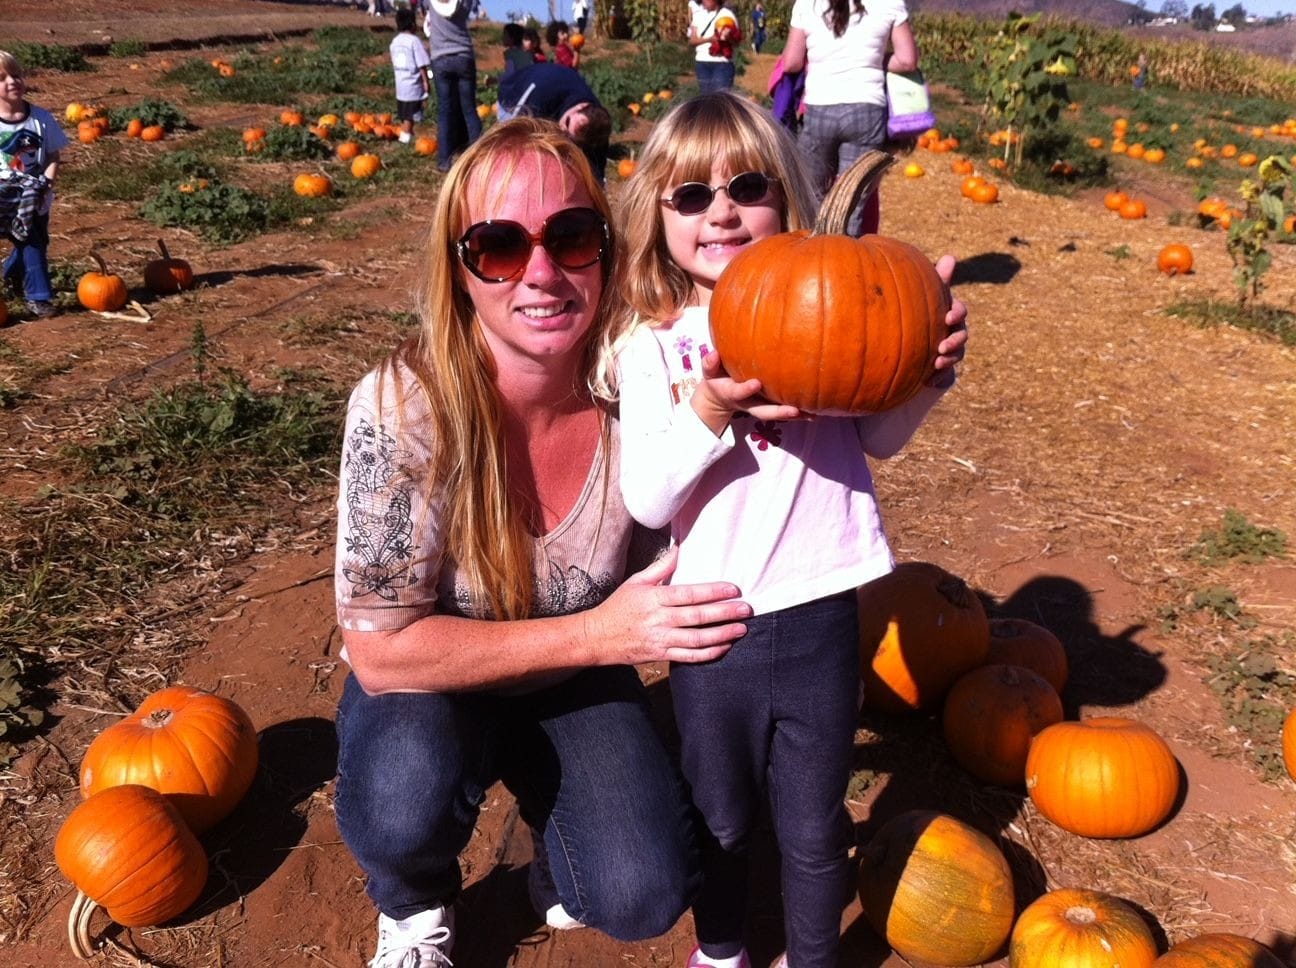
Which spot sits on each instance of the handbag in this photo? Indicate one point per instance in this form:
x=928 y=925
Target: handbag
x=908 y=105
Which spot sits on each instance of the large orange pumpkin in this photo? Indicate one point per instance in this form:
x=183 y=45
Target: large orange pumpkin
x=365 y=166
x=128 y=850
x=1219 y=950
x=1102 y=777
x=920 y=629
x=829 y=323
x=990 y=716
x=197 y=748
x=1175 y=259
x=313 y=185
x=167 y=275
x=937 y=889
x=1016 y=641
x=1289 y=743
x=1080 y=929
x=152 y=132
x=102 y=291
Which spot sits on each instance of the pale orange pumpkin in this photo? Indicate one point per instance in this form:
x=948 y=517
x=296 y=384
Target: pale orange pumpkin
x=313 y=185
x=829 y=323
x=365 y=165
x=1102 y=777
x=1219 y=950
x=1016 y=641
x=127 y=850
x=1080 y=929
x=197 y=748
x=167 y=275
x=921 y=628
x=1175 y=259
x=990 y=716
x=937 y=889
x=101 y=291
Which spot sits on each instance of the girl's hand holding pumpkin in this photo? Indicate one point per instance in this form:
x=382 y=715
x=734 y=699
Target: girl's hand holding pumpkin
x=950 y=350
x=718 y=397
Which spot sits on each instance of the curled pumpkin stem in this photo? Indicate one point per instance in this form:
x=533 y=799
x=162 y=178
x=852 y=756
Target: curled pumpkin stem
x=856 y=183
x=83 y=909
x=103 y=266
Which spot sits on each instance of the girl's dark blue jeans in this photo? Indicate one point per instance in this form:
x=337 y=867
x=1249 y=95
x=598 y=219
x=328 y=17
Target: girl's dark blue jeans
x=715 y=75
x=27 y=266
x=458 y=125
x=585 y=763
x=775 y=714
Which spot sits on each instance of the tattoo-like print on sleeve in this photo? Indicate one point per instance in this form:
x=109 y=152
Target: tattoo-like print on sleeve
x=380 y=528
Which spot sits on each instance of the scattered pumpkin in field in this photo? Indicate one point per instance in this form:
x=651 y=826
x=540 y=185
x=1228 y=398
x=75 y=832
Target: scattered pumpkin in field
x=1080 y=929
x=483 y=111
x=921 y=628
x=914 y=170
x=347 y=150
x=128 y=850
x=365 y=165
x=101 y=290
x=1219 y=950
x=649 y=97
x=1136 y=150
x=1154 y=156
x=1134 y=208
x=87 y=133
x=990 y=715
x=1248 y=159
x=1229 y=151
x=577 y=41
x=626 y=167
x=291 y=117
x=1289 y=739
x=425 y=145
x=167 y=275
x=865 y=341
x=987 y=193
x=1194 y=162
x=152 y=132
x=938 y=890
x=999 y=164
x=1289 y=225
x=1119 y=147
x=962 y=166
x=1016 y=641
x=74 y=112
x=1175 y=259
x=969 y=185
x=665 y=94
x=1096 y=143
x=227 y=70
x=633 y=107
x=1102 y=777
x=134 y=127
x=312 y=185
x=328 y=121
x=198 y=749
x=253 y=134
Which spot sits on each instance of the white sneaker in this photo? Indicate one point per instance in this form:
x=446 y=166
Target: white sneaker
x=422 y=940
x=404 y=137
x=544 y=896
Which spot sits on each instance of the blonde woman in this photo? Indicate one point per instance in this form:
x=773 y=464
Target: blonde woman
x=481 y=575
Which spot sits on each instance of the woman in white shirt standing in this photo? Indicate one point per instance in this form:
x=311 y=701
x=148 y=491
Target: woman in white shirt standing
x=713 y=32
x=846 y=49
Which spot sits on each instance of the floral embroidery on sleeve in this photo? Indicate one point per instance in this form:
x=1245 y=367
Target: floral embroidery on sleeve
x=380 y=527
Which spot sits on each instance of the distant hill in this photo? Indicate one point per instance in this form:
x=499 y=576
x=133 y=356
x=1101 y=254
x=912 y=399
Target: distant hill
x=1278 y=41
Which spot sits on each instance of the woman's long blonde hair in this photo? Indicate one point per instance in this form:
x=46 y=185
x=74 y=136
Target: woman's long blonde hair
x=683 y=146
x=487 y=533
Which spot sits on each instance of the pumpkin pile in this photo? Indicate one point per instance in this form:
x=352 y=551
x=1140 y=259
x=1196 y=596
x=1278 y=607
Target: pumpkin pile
x=151 y=783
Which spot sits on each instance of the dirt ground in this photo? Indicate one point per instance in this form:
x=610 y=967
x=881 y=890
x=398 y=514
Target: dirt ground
x=1090 y=440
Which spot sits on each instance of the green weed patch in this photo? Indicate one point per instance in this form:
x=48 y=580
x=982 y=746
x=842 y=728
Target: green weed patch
x=1271 y=321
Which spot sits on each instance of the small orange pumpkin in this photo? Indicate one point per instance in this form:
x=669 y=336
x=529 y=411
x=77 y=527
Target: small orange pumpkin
x=962 y=166
x=197 y=748
x=365 y=165
x=987 y=193
x=829 y=323
x=128 y=850
x=626 y=167
x=939 y=890
x=347 y=150
x=291 y=117
x=1134 y=208
x=167 y=275
x=134 y=127
x=88 y=133
x=1080 y=929
x=1219 y=950
x=313 y=185
x=253 y=134
x=152 y=132
x=1289 y=225
x=990 y=716
x=227 y=70
x=101 y=291
x=1114 y=200
x=1016 y=641
x=1175 y=259
x=1289 y=744
x=577 y=41
x=1102 y=777
x=425 y=146
x=921 y=628
x=969 y=185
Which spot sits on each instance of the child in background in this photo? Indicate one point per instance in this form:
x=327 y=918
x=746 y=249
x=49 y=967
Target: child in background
x=559 y=36
x=759 y=494
x=30 y=142
x=515 y=58
x=531 y=44
x=410 y=63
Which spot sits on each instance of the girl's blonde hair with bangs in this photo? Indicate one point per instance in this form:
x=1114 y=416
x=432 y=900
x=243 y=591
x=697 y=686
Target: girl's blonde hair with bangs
x=12 y=66
x=697 y=133
x=489 y=537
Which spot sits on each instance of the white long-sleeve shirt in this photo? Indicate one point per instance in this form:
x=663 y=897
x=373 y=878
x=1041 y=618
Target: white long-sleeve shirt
x=784 y=510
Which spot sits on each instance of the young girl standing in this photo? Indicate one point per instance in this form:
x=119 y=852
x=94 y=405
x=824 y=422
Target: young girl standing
x=762 y=495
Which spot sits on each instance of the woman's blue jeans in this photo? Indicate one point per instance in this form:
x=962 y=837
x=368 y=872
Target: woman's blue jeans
x=715 y=75
x=585 y=763
x=455 y=77
x=27 y=266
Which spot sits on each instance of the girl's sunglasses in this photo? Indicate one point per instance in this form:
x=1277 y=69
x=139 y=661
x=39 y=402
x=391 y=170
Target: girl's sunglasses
x=694 y=198
x=497 y=250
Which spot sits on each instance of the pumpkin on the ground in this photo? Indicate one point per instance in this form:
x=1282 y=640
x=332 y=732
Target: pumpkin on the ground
x=152 y=132
x=830 y=323
x=365 y=165
x=1175 y=259
x=128 y=850
x=425 y=146
x=197 y=748
x=920 y=629
x=1102 y=777
x=1114 y=200
x=937 y=889
x=1080 y=929
x=1134 y=208
x=167 y=275
x=1219 y=950
x=101 y=291
x=1017 y=641
x=347 y=150
x=990 y=716
x=313 y=185
x=1289 y=744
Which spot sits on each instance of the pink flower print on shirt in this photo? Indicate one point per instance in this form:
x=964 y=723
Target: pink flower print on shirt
x=766 y=434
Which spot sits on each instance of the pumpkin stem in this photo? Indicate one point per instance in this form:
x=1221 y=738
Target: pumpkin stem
x=163 y=249
x=103 y=266
x=1081 y=914
x=79 y=925
x=858 y=181
x=157 y=719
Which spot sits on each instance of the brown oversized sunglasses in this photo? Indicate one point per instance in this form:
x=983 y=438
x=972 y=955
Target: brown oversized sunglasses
x=497 y=250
